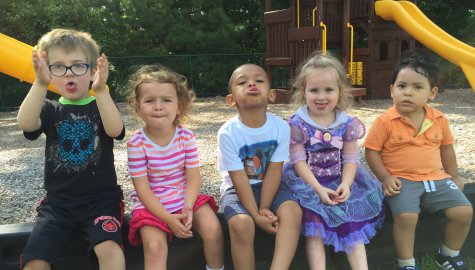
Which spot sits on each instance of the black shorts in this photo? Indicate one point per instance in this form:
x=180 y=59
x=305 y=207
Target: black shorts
x=99 y=219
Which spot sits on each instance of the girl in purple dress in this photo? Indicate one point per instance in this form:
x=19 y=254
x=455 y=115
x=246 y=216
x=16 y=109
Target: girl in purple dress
x=342 y=202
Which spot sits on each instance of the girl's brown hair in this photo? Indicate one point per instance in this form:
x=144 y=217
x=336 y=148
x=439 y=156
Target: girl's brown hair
x=158 y=73
x=316 y=61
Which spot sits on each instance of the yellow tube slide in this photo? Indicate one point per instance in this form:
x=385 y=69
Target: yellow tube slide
x=413 y=21
x=15 y=61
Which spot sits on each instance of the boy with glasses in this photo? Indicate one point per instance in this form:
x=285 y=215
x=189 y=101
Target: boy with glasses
x=82 y=194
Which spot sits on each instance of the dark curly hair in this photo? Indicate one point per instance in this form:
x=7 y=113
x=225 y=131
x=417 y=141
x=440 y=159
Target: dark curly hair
x=421 y=63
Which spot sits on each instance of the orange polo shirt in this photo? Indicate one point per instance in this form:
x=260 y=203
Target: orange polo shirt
x=406 y=152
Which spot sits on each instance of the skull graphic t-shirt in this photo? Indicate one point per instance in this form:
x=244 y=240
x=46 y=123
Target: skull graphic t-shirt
x=79 y=160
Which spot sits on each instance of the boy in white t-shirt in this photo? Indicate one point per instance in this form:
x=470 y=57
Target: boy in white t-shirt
x=252 y=147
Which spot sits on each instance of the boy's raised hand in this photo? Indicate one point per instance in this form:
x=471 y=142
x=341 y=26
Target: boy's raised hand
x=392 y=186
x=43 y=76
x=102 y=73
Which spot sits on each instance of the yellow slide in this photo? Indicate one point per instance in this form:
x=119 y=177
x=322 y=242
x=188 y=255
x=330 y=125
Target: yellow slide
x=413 y=21
x=15 y=60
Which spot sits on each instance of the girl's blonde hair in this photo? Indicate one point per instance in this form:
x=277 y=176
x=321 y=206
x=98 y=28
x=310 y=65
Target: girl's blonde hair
x=320 y=61
x=158 y=73
x=69 y=40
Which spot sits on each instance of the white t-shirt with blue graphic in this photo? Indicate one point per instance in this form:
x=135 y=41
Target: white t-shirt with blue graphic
x=241 y=147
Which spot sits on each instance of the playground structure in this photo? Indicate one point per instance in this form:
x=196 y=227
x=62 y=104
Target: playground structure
x=359 y=32
x=369 y=36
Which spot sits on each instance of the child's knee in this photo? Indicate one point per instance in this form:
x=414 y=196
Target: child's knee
x=155 y=247
x=406 y=219
x=212 y=231
x=460 y=213
x=107 y=249
x=241 y=226
x=290 y=209
x=37 y=265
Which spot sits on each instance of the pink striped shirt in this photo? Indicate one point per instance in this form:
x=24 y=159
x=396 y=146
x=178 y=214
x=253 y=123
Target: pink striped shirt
x=164 y=166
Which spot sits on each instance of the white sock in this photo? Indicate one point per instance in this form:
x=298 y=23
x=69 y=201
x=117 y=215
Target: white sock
x=449 y=252
x=406 y=262
x=208 y=268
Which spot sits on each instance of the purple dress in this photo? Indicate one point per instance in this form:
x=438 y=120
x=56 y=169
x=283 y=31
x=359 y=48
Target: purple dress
x=343 y=225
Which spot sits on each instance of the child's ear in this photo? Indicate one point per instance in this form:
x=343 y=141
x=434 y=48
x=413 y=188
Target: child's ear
x=433 y=93
x=137 y=109
x=230 y=100
x=391 y=90
x=272 y=95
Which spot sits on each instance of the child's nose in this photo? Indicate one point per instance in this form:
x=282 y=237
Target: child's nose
x=158 y=105
x=252 y=83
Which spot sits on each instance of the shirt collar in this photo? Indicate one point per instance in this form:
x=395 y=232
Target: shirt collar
x=431 y=113
x=84 y=101
x=341 y=117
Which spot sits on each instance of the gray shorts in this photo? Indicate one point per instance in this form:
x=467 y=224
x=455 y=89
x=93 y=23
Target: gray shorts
x=430 y=195
x=232 y=206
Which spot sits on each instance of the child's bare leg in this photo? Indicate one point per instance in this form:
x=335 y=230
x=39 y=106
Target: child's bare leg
x=110 y=255
x=155 y=247
x=287 y=237
x=37 y=265
x=404 y=231
x=458 y=225
x=357 y=258
x=315 y=253
x=241 y=233
x=206 y=223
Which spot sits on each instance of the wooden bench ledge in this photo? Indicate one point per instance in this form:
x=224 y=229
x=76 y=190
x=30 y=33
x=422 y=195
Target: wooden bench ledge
x=188 y=253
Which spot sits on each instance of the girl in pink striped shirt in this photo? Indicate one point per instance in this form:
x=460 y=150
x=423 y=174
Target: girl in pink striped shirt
x=164 y=166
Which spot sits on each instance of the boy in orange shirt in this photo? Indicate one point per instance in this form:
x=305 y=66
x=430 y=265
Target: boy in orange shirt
x=410 y=150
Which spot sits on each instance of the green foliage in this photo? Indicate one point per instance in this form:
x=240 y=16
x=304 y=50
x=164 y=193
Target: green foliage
x=450 y=15
x=163 y=29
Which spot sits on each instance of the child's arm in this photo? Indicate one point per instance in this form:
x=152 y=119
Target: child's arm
x=155 y=207
x=110 y=115
x=29 y=113
x=193 y=186
x=449 y=162
x=246 y=197
x=391 y=185
x=350 y=163
x=270 y=186
x=347 y=178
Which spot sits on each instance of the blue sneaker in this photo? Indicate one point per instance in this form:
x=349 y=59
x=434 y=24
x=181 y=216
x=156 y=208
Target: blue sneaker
x=408 y=268
x=450 y=263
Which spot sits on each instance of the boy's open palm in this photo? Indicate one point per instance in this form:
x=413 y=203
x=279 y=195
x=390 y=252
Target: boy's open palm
x=43 y=75
x=101 y=75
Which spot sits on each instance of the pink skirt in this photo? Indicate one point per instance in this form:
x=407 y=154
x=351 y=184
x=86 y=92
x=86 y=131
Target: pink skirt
x=142 y=217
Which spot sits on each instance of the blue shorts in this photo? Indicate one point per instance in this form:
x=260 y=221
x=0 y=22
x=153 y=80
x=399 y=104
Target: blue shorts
x=431 y=195
x=232 y=206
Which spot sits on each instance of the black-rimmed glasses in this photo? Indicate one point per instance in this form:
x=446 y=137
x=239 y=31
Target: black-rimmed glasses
x=78 y=69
